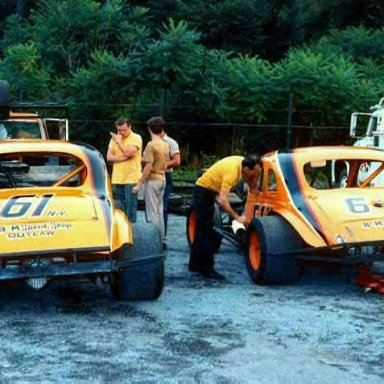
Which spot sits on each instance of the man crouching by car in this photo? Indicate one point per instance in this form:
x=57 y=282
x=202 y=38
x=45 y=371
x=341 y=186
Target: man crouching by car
x=217 y=182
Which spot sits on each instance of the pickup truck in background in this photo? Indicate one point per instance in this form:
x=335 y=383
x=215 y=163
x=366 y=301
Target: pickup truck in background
x=19 y=120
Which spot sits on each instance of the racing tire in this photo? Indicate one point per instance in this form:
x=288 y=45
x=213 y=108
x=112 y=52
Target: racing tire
x=191 y=228
x=4 y=92
x=268 y=238
x=144 y=279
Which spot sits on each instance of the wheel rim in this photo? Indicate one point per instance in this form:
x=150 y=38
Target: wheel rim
x=254 y=251
x=192 y=226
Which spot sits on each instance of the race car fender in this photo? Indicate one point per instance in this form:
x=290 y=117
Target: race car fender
x=302 y=227
x=122 y=230
x=258 y=208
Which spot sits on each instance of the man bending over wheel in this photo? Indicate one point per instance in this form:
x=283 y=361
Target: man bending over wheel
x=216 y=184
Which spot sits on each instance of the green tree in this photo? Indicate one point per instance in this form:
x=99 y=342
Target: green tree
x=16 y=31
x=326 y=88
x=22 y=68
x=358 y=43
x=171 y=64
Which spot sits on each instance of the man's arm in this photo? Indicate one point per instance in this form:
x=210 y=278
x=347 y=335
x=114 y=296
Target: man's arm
x=129 y=151
x=223 y=201
x=175 y=161
x=112 y=158
x=146 y=172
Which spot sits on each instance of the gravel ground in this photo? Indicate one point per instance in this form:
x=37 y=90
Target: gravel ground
x=321 y=329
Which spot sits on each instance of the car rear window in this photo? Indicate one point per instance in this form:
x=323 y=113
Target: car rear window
x=23 y=170
x=348 y=173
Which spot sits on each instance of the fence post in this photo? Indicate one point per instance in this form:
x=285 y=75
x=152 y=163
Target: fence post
x=289 y=121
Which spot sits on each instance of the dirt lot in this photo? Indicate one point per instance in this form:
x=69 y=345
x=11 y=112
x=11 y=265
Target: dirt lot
x=322 y=329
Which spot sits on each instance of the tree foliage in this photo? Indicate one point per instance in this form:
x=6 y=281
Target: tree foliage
x=232 y=61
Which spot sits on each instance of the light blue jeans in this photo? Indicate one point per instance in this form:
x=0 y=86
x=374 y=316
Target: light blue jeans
x=126 y=200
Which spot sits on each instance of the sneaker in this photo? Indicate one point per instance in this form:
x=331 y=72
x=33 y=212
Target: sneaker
x=212 y=274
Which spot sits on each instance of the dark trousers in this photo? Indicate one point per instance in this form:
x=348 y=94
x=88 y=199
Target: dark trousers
x=167 y=192
x=201 y=256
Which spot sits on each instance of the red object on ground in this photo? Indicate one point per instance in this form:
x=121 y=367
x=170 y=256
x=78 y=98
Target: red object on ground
x=368 y=279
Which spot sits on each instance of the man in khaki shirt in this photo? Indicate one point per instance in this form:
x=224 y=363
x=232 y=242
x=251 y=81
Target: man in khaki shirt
x=124 y=152
x=156 y=158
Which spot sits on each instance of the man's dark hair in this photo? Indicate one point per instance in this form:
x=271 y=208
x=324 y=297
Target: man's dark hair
x=156 y=124
x=121 y=121
x=250 y=161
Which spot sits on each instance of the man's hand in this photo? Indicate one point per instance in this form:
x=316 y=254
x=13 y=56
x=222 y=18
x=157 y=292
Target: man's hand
x=243 y=220
x=116 y=137
x=136 y=188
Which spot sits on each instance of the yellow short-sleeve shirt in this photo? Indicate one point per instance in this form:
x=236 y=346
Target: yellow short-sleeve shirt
x=128 y=171
x=224 y=174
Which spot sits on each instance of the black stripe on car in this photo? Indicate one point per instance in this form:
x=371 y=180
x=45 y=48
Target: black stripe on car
x=290 y=177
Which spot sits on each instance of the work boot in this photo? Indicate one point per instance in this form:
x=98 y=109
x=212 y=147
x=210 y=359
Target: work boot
x=193 y=268
x=212 y=274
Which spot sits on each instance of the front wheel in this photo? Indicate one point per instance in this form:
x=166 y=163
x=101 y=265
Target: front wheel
x=141 y=276
x=269 y=256
x=192 y=223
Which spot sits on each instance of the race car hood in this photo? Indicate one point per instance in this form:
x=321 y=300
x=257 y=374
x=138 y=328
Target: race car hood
x=354 y=215
x=38 y=220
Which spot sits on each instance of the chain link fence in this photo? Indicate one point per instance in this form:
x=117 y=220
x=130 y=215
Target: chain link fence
x=197 y=140
x=202 y=144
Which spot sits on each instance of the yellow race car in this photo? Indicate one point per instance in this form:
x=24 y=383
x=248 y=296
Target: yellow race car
x=58 y=220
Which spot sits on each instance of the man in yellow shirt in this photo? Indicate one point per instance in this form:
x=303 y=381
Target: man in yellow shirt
x=216 y=184
x=124 y=152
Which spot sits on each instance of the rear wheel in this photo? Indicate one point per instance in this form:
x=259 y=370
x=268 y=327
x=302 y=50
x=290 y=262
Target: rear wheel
x=191 y=228
x=143 y=277
x=268 y=239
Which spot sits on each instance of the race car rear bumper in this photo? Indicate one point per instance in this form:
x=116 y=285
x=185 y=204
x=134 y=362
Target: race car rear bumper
x=350 y=253
x=25 y=271
x=77 y=269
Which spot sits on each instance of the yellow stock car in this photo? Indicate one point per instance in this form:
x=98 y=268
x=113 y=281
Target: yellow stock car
x=304 y=212
x=58 y=220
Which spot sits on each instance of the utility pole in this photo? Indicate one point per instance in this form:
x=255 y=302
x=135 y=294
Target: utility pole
x=20 y=8
x=289 y=121
x=20 y=11
x=162 y=102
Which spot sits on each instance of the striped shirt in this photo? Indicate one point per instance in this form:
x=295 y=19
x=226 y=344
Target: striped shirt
x=173 y=148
